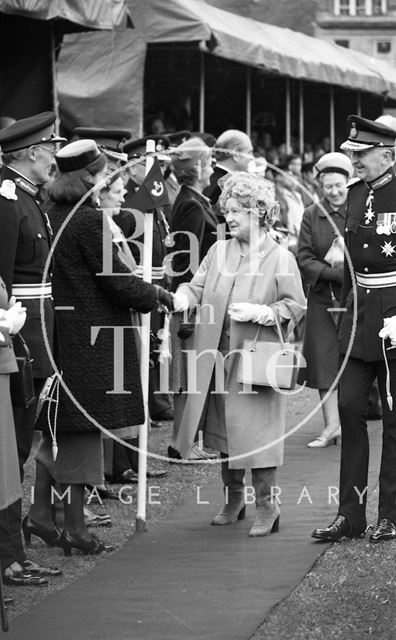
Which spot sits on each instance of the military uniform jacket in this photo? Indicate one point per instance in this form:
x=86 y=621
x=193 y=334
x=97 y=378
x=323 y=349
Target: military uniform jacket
x=370 y=237
x=25 y=239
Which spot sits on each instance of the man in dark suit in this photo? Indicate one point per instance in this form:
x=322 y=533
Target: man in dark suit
x=368 y=333
x=28 y=148
x=233 y=150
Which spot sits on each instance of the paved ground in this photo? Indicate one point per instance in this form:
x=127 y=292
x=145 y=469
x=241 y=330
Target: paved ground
x=185 y=580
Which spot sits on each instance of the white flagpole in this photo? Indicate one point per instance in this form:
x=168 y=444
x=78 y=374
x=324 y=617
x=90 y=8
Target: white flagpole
x=145 y=357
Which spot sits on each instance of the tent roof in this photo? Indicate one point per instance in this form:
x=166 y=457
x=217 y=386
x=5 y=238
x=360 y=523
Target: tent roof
x=260 y=45
x=89 y=14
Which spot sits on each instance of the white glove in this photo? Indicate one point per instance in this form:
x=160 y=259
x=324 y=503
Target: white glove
x=16 y=316
x=389 y=330
x=245 y=312
x=180 y=301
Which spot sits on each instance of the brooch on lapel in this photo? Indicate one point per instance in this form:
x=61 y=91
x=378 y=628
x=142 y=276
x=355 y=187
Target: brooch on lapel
x=7 y=190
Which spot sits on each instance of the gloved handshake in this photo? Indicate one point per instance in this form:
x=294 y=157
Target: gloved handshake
x=247 y=312
x=165 y=299
x=389 y=330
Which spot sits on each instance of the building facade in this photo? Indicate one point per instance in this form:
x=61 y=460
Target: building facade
x=368 y=26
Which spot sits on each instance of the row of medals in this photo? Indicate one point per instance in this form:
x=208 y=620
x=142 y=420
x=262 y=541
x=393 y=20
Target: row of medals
x=386 y=222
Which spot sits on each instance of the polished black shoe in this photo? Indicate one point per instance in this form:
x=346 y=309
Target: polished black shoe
x=91 y=546
x=31 y=527
x=336 y=531
x=386 y=530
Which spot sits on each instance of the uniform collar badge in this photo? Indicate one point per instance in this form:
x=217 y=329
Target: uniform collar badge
x=27 y=186
x=381 y=181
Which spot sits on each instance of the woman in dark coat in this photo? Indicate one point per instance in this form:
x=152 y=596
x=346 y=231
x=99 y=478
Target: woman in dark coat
x=93 y=292
x=320 y=258
x=193 y=225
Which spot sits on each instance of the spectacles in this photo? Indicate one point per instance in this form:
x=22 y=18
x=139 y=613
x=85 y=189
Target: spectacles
x=50 y=151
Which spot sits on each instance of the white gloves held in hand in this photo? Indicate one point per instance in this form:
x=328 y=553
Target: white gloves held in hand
x=180 y=301
x=14 y=317
x=389 y=330
x=247 y=312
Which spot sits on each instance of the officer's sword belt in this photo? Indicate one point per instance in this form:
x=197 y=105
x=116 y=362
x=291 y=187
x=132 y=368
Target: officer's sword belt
x=376 y=280
x=32 y=291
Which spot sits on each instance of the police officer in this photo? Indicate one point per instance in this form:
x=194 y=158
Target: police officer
x=28 y=148
x=369 y=331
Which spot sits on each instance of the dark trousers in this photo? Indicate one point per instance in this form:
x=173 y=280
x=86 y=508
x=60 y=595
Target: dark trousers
x=125 y=458
x=355 y=385
x=11 y=545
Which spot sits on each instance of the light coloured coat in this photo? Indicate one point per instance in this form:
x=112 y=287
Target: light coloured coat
x=255 y=422
x=10 y=484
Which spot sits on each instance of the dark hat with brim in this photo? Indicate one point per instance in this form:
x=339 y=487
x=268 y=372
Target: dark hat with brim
x=78 y=155
x=365 y=134
x=137 y=148
x=178 y=137
x=29 y=131
x=107 y=138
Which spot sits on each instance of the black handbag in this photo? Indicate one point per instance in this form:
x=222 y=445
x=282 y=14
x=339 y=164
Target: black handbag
x=21 y=382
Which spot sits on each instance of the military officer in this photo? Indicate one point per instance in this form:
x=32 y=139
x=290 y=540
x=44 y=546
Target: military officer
x=28 y=148
x=368 y=333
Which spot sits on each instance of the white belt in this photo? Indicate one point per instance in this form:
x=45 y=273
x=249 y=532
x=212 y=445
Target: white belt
x=376 y=280
x=157 y=273
x=32 y=291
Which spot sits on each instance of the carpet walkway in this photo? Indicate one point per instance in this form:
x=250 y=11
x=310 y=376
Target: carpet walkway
x=185 y=580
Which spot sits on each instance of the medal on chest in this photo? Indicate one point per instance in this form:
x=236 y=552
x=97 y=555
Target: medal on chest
x=369 y=213
x=386 y=223
x=388 y=249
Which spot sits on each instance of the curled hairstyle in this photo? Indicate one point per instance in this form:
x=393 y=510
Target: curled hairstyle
x=70 y=186
x=255 y=195
x=186 y=159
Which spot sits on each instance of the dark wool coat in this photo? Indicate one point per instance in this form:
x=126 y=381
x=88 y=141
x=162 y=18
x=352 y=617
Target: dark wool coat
x=370 y=253
x=191 y=213
x=320 y=348
x=87 y=351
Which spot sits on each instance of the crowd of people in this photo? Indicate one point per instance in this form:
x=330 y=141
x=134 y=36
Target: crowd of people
x=241 y=253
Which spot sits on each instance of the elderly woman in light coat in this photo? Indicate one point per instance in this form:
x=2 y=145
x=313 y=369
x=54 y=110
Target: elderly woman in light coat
x=239 y=286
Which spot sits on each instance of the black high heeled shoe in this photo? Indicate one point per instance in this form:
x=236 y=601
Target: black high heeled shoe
x=50 y=536
x=93 y=546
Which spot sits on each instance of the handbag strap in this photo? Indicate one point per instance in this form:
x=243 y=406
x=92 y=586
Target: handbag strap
x=23 y=344
x=278 y=330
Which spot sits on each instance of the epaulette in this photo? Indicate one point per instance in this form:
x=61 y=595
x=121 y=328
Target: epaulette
x=27 y=186
x=7 y=190
x=352 y=182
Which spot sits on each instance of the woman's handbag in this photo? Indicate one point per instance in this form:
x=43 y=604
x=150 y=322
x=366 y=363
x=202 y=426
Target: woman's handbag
x=268 y=364
x=21 y=382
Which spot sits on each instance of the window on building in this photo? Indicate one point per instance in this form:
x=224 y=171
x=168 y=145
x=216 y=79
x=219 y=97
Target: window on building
x=345 y=8
x=342 y=43
x=379 y=7
x=360 y=7
x=384 y=47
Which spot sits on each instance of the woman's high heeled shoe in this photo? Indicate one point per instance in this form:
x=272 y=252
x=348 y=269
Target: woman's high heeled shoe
x=50 y=536
x=328 y=436
x=93 y=546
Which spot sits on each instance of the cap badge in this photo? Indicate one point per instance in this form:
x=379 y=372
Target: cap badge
x=354 y=131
